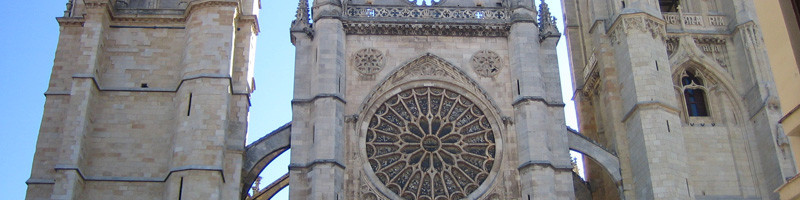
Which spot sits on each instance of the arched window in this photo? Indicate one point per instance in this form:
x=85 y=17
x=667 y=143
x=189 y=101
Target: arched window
x=694 y=94
x=669 y=5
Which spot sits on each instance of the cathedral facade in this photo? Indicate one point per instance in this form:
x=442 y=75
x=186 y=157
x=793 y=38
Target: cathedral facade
x=414 y=99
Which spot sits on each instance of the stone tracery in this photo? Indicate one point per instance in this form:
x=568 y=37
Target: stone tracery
x=368 y=61
x=430 y=143
x=487 y=63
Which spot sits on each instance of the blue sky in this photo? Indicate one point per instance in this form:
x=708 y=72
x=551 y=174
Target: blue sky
x=29 y=37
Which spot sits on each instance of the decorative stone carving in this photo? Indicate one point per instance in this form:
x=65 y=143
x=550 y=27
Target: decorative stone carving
x=487 y=63
x=368 y=61
x=466 y=30
x=430 y=143
x=639 y=23
x=672 y=44
x=400 y=13
x=715 y=47
x=657 y=28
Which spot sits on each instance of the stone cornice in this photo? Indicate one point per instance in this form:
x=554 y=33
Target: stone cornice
x=312 y=164
x=128 y=179
x=70 y=21
x=649 y=105
x=158 y=16
x=543 y=163
x=97 y=85
x=336 y=97
x=523 y=99
x=252 y=20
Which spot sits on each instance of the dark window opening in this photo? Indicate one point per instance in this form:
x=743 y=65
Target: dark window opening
x=669 y=5
x=796 y=8
x=696 y=102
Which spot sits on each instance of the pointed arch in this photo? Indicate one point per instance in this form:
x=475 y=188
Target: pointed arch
x=687 y=56
x=427 y=67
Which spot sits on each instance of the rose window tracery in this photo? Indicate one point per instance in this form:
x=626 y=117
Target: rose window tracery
x=430 y=143
x=368 y=61
x=487 y=63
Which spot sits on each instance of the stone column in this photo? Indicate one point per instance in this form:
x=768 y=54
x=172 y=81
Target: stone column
x=538 y=115
x=69 y=180
x=317 y=161
x=203 y=100
x=651 y=116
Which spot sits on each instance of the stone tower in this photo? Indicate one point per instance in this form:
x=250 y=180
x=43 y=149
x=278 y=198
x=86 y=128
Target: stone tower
x=427 y=99
x=682 y=91
x=148 y=99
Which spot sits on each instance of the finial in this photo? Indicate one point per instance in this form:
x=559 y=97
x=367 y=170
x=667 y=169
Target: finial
x=547 y=23
x=301 y=22
x=68 y=12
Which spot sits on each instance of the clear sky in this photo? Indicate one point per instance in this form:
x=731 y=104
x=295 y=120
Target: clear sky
x=29 y=35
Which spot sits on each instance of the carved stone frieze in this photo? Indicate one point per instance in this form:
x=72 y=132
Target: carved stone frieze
x=715 y=47
x=695 y=19
x=672 y=43
x=657 y=28
x=638 y=23
x=377 y=13
x=367 y=28
x=487 y=63
x=591 y=85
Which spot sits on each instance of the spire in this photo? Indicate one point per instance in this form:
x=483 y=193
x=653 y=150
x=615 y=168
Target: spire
x=301 y=23
x=547 y=23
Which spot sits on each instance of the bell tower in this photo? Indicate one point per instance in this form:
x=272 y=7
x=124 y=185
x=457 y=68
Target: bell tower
x=148 y=99
x=682 y=92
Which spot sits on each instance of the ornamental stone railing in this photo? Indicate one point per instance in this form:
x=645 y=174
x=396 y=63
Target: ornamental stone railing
x=696 y=21
x=394 y=13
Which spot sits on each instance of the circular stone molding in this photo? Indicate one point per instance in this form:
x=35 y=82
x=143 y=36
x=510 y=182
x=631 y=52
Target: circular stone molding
x=368 y=61
x=430 y=143
x=487 y=63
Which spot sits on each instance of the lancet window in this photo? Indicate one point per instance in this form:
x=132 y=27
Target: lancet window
x=694 y=94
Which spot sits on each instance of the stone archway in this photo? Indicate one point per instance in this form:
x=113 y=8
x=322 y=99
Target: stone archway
x=261 y=153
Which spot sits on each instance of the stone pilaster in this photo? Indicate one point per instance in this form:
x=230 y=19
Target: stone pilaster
x=538 y=115
x=317 y=169
x=658 y=157
x=204 y=100
x=69 y=180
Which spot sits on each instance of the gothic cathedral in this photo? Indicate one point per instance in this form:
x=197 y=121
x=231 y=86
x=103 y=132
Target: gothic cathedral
x=414 y=99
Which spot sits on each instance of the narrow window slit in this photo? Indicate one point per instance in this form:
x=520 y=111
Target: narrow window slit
x=656 y=65
x=189 y=108
x=180 y=190
x=668 y=129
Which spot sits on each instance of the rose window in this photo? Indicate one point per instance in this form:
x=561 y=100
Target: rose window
x=430 y=143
